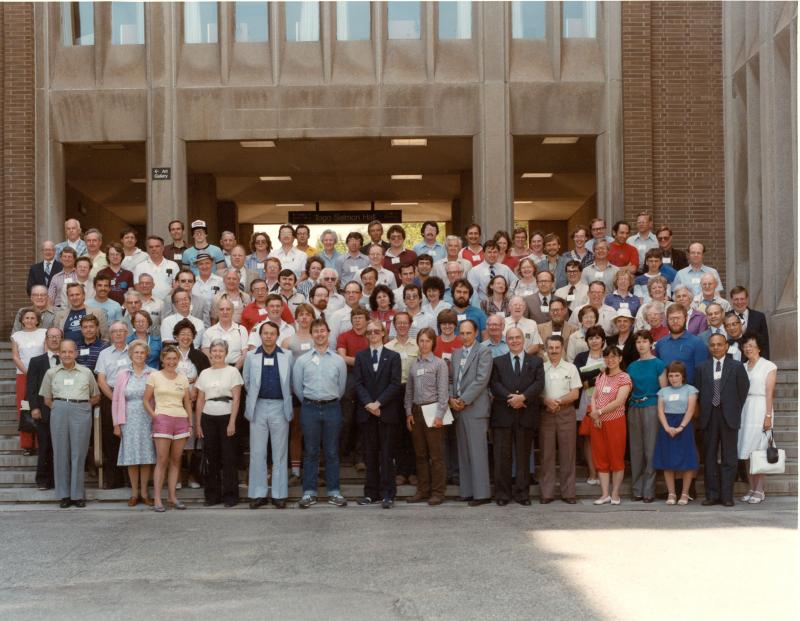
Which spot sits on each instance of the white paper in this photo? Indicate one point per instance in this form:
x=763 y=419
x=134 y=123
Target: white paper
x=429 y=413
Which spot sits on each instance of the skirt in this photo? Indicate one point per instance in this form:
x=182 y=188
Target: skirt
x=678 y=453
x=27 y=440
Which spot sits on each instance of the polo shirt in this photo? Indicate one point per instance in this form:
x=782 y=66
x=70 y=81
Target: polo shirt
x=110 y=361
x=687 y=348
x=75 y=383
x=560 y=379
x=622 y=255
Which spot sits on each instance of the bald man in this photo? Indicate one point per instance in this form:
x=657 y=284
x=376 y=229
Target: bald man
x=40 y=273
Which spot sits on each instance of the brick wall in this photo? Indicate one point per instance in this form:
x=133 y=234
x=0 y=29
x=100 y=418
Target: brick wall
x=672 y=119
x=17 y=238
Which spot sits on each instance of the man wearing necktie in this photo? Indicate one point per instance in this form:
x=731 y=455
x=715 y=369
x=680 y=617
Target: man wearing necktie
x=41 y=273
x=376 y=377
x=723 y=385
x=517 y=382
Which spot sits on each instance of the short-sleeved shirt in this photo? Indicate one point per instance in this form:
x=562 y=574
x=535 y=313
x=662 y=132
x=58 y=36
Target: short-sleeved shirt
x=169 y=393
x=444 y=349
x=217 y=383
x=687 y=348
x=676 y=400
x=606 y=389
x=75 y=383
x=408 y=354
x=29 y=344
x=351 y=342
x=560 y=379
x=644 y=374
x=110 y=361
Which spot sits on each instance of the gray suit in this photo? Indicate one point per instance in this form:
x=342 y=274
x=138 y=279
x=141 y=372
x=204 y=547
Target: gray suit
x=201 y=308
x=473 y=421
x=268 y=417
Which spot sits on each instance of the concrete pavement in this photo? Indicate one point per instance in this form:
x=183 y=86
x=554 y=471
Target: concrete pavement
x=413 y=562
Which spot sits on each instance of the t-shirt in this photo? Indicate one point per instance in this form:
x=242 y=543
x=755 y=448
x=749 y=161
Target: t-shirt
x=351 y=342
x=169 y=393
x=218 y=383
x=606 y=389
x=72 y=326
x=676 y=400
x=644 y=375
x=445 y=350
x=29 y=344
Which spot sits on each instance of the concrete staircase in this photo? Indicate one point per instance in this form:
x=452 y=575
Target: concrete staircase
x=17 y=472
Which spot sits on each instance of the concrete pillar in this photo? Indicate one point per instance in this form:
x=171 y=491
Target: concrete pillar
x=492 y=147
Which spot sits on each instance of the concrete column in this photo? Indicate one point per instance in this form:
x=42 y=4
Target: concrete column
x=166 y=200
x=492 y=147
x=609 y=154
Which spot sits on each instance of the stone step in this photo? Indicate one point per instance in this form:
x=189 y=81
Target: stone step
x=17 y=460
x=8 y=415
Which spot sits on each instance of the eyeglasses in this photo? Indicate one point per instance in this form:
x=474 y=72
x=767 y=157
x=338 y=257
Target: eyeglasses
x=598 y=228
x=374 y=332
x=329 y=278
x=663 y=238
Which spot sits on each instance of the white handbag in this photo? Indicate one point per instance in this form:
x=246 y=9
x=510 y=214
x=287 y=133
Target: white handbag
x=771 y=460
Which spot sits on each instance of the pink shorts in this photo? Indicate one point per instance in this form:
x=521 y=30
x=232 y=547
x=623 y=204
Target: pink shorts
x=170 y=427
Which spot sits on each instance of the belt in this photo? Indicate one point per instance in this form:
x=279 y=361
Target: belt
x=317 y=402
x=71 y=400
x=225 y=399
x=643 y=399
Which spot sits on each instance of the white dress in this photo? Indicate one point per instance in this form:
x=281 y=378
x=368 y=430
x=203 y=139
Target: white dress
x=751 y=433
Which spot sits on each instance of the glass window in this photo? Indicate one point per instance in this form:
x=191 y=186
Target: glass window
x=77 y=23
x=127 y=23
x=580 y=19
x=352 y=21
x=200 y=22
x=252 y=22
x=302 y=21
x=404 y=20
x=528 y=20
x=455 y=20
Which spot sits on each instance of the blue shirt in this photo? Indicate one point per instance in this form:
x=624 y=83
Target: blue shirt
x=329 y=261
x=687 y=348
x=475 y=314
x=112 y=309
x=189 y=257
x=499 y=349
x=320 y=377
x=87 y=354
x=615 y=300
x=691 y=278
x=80 y=248
x=270 y=375
x=154 y=342
x=436 y=251
x=644 y=374
x=72 y=326
x=679 y=405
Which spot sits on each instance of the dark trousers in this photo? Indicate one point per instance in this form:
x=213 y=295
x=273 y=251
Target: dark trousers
x=44 y=459
x=508 y=440
x=221 y=453
x=350 y=440
x=379 y=442
x=404 y=448
x=451 y=453
x=113 y=475
x=719 y=478
x=429 y=445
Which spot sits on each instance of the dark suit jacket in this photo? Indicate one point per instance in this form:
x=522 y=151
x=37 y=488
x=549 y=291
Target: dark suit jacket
x=383 y=386
x=533 y=308
x=37 y=367
x=37 y=275
x=504 y=383
x=733 y=391
x=679 y=260
x=629 y=353
x=757 y=322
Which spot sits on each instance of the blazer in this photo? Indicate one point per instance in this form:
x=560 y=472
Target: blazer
x=383 y=385
x=629 y=352
x=201 y=309
x=733 y=391
x=533 y=308
x=62 y=313
x=37 y=275
x=475 y=378
x=252 y=381
x=37 y=367
x=504 y=383
x=757 y=322
x=546 y=329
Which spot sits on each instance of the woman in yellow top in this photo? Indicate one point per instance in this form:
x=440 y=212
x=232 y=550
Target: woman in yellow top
x=167 y=401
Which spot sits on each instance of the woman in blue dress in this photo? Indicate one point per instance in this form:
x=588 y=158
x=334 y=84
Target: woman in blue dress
x=142 y=323
x=675 y=447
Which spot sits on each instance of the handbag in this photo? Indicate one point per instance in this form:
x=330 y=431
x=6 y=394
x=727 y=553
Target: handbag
x=26 y=421
x=771 y=460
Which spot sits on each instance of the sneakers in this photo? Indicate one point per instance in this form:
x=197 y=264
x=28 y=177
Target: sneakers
x=307 y=501
x=366 y=500
x=593 y=481
x=337 y=500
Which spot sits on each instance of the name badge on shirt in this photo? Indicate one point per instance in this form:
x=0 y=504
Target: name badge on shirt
x=395 y=260
x=262 y=311
x=599 y=274
x=545 y=309
x=570 y=297
x=269 y=362
x=260 y=266
x=641 y=247
x=113 y=282
x=122 y=362
x=29 y=345
x=305 y=346
x=69 y=382
x=695 y=281
x=420 y=372
x=447 y=356
x=606 y=390
x=178 y=256
x=623 y=305
x=68 y=280
x=85 y=351
x=476 y=258
x=556 y=332
x=462 y=317
x=666 y=259
x=315 y=360
x=674 y=397
x=463 y=361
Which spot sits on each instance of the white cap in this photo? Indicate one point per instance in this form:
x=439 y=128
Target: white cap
x=198 y=224
x=623 y=312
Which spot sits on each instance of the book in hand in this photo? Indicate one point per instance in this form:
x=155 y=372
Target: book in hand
x=429 y=413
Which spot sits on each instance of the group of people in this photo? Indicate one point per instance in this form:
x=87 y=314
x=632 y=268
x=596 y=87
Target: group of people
x=445 y=363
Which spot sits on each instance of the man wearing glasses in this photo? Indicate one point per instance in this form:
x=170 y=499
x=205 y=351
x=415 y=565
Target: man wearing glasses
x=672 y=256
x=598 y=230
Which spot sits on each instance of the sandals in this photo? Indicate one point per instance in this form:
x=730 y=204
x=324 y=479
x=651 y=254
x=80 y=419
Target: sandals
x=757 y=498
x=159 y=508
x=748 y=496
x=176 y=505
x=671 y=499
x=685 y=498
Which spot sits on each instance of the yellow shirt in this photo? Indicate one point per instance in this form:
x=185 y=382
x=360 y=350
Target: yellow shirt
x=408 y=354
x=169 y=393
x=76 y=383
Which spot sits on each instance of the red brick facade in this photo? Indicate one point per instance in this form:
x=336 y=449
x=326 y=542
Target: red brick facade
x=672 y=119
x=17 y=238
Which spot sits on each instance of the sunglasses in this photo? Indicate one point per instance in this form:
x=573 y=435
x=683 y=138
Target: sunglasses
x=663 y=238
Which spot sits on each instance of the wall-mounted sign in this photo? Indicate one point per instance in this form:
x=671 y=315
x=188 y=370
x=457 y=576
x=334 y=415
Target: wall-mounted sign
x=364 y=216
x=161 y=174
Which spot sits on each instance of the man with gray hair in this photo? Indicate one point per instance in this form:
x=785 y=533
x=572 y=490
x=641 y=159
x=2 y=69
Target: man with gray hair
x=72 y=231
x=94 y=239
x=329 y=278
x=227 y=242
x=41 y=273
x=41 y=304
x=452 y=245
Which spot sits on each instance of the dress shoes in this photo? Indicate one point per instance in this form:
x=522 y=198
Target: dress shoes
x=231 y=503
x=525 y=502
x=133 y=501
x=294 y=480
x=709 y=502
x=258 y=502
x=417 y=498
x=465 y=499
x=638 y=498
x=479 y=501
x=728 y=503
x=279 y=503
x=570 y=501
x=65 y=503
x=81 y=503
x=647 y=500
x=501 y=502
x=545 y=501
x=210 y=502
x=434 y=501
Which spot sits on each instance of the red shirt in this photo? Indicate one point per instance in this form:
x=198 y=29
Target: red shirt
x=407 y=257
x=384 y=316
x=121 y=283
x=470 y=256
x=622 y=255
x=251 y=315
x=443 y=348
x=286 y=313
x=606 y=389
x=351 y=342
x=658 y=333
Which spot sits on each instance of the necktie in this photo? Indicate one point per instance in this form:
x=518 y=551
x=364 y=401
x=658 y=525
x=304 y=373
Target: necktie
x=516 y=365
x=544 y=301
x=464 y=356
x=47 y=267
x=57 y=359
x=715 y=399
x=322 y=315
x=374 y=356
x=491 y=271
x=571 y=290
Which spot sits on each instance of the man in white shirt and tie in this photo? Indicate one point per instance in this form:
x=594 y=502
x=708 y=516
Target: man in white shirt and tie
x=480 y=275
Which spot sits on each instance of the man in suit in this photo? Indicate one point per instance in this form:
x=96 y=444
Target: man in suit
x=538 y=304
x=752 y=320
x=38 y=366
x=723 y=385
x=558 y=321
x=470 y=372
x=268 y=407
x=379 y=411
x=41 y=272
x=517 y=382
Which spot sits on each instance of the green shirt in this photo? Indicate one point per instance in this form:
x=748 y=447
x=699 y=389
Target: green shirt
x=75 y=383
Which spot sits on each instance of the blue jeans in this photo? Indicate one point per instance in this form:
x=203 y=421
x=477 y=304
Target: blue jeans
x=321 y=424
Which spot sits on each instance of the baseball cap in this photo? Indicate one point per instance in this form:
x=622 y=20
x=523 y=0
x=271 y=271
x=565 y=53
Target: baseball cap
x=199 y=224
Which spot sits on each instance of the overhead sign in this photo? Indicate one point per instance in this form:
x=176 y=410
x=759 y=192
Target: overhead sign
x=364 y=216
x=161 y=174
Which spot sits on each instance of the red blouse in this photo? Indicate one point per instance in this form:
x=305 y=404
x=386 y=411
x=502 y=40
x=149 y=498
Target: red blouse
x=606 y=390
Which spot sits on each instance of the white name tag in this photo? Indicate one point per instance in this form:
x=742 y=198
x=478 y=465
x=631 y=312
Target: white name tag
x=420 y=372
x=641 y=247
x=463 y=361
x=545 y=309
x=113 y=281
x=557 y=333
x=315 y=360
x=260 y=266
x=69 y=382
x=68 y=280
x=122 y=362
x=570 y=297
x=666 y=259
x=623 y=305
x=599 y=274
x=462 y=317
x=305 y=346
x=695 y=281
x=354 y=269
x=236 y=303
x=85 y=351
x=606 y=390
x=395 y=260
x=269 y=362
x=476 y=258
x=29 y=345
x=178 y=256
x=674 y=397
x=447 y=356
x=262 y=311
